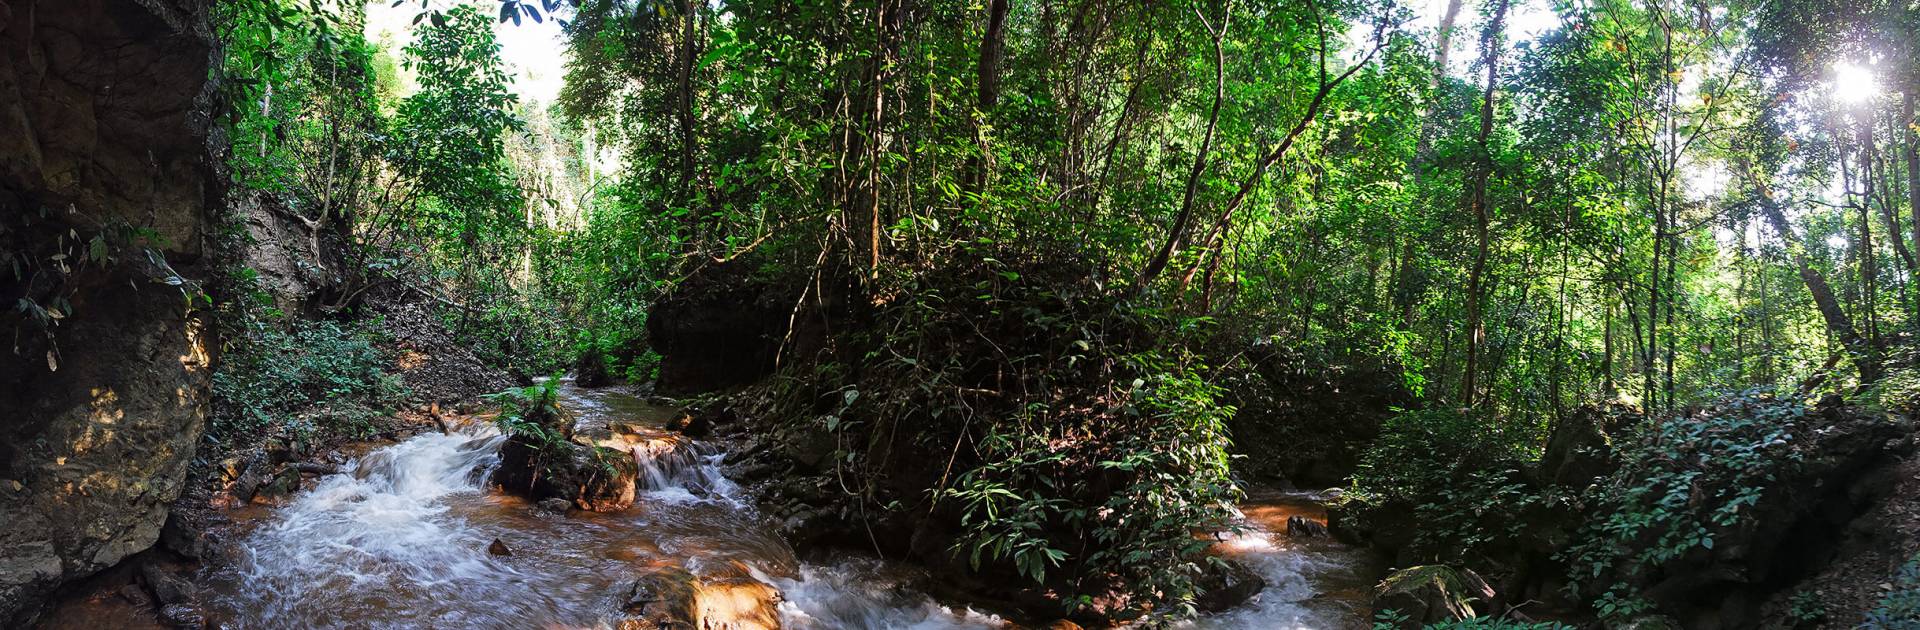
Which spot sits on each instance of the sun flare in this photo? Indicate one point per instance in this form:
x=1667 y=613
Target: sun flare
x=1853 y=83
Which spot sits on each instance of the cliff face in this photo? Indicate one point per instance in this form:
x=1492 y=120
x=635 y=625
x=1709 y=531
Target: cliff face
x=106 y=185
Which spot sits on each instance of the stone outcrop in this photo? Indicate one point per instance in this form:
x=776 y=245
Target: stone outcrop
x=729 y=598
x=106 y=179
x=592 y=478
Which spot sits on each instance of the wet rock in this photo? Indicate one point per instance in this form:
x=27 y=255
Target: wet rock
x=1303 y=527
x=1428 y=594
x=1227 y=584
x=167 y=587
x=186 y=532
x=694 y=425
x=183 y=616
x=553 y=505
x=136 y=596
x=661 y=598
x=499 y=548
x=281 y=485
x=1062 y=624
x=592 y=478
x=672 y=597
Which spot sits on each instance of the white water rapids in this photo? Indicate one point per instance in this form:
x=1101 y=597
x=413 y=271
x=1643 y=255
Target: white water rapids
x=400 y=540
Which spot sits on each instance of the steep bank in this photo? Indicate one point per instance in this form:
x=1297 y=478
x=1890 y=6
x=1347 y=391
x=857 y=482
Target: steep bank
x=106 y=181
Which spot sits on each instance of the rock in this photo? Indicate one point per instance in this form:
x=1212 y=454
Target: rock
x=1226 y=584
x=1062 y=624
x=182 y=616
x=553 y=505
x=1428 y=594
x=698 y=425
x=592 y=478
x=167 y=587
x=590 y=369
x=499 y=548
x=105 y=122
x=672 y=597
x=186 y=532
x=136 y=596
x=812 y=448
x=661 y=598
x=1580 y=449
x=280 y=486
x=1303 y=527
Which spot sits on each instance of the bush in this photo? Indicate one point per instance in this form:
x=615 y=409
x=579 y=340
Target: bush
x=1027 y=503
x=315 y=380
x=1456 y=479
x=1680 y=479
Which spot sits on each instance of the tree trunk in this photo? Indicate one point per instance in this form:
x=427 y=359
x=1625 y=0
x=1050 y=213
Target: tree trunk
x=1477 y=206
x=1864 y=356
x=987 y=87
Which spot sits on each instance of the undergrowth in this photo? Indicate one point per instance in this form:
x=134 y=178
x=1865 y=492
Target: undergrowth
x=308 y=380
x=1681 y=480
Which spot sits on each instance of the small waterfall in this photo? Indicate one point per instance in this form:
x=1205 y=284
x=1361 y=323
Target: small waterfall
x=381 y=538
x=676 y=467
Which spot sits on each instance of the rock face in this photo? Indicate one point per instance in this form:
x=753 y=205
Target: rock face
x=1308 y=418
x=722 y=328
x=105 y=185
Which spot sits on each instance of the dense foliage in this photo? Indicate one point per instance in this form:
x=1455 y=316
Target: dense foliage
x=1033 y=259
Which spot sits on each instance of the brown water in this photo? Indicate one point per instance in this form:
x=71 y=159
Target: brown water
x=400 y=541
x=1311 y=582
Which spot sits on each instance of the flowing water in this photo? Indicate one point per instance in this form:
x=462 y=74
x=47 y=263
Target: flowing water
x=401 y=538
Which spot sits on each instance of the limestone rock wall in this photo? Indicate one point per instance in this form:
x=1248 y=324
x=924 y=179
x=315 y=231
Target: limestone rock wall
x=104 y=125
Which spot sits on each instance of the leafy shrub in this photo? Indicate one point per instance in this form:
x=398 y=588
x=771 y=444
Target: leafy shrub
x=313 y=380
x=1455 y=478
x=1681 y=478
x=1024 y=504
x=1392 y=619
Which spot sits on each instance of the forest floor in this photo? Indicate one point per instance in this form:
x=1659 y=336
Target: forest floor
x=1879 y=542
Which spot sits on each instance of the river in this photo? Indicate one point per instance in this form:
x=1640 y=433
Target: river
x=401 y=539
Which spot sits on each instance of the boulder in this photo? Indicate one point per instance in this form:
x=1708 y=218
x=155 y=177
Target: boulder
x=1303 y=527
x=1580 y=449
x=104 y=126
x=167 y=587
x=1226 y=584
x=182 y=616
x=673 y=598
x=592 y=478
x=1429 y=594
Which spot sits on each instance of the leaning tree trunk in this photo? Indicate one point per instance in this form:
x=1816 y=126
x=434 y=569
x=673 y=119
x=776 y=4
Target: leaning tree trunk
x=1864 y=355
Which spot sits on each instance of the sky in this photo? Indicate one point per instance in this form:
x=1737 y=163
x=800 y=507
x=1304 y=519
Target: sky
x=534 y=52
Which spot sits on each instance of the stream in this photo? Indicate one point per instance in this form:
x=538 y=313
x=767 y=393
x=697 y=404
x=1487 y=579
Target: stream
x=401 y=539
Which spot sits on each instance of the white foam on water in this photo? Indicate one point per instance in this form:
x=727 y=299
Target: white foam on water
x=854 y=595
x=380 y=536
